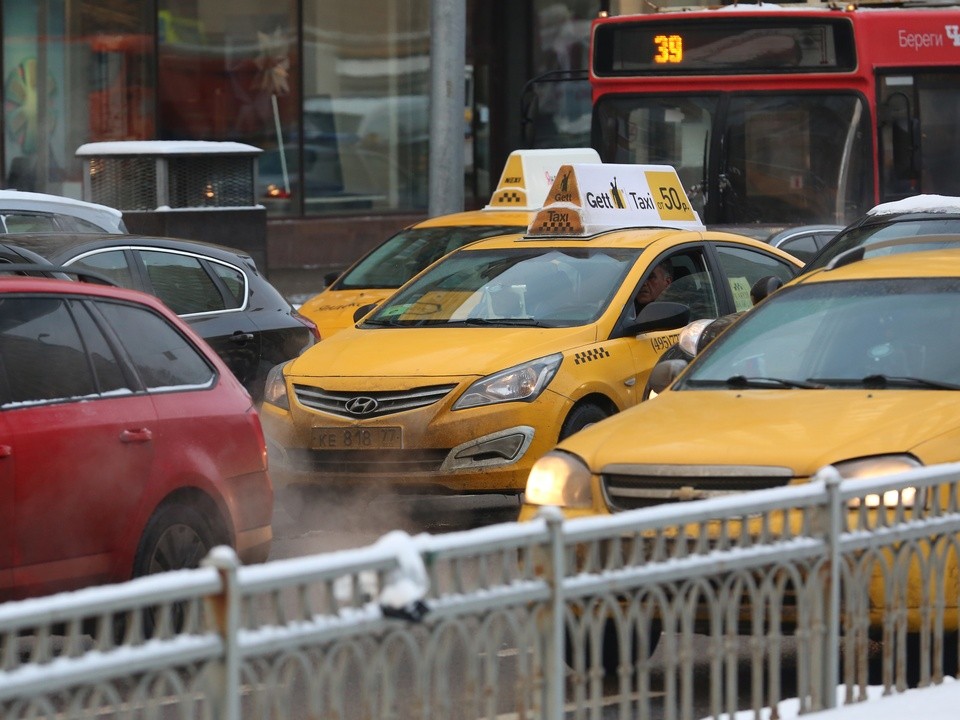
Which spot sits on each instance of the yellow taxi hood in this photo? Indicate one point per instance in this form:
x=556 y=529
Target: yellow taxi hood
x=432 y=352
x=799 y=429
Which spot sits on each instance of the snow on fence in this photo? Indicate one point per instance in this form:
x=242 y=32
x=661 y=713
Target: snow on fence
x=679 y=611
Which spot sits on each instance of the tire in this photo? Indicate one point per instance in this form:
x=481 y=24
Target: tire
x=580 y=417
x=176 y=537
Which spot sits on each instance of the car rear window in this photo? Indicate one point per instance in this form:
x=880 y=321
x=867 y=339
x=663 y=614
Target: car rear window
x=164 y=359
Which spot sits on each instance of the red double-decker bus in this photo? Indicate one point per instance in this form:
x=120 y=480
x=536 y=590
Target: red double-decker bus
x=783 y=114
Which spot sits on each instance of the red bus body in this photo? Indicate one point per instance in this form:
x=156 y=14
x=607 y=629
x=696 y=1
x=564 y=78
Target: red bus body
x=763 y=135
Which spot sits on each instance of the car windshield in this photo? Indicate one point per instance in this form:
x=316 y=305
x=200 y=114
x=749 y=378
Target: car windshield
x=867 y=235
x=881 y=333
x=539 y=287
x=408 y=252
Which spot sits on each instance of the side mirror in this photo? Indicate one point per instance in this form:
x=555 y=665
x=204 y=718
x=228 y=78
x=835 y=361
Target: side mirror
x=330 y=278
x=660 y=316
x=763 y=287
x=362 y=311
x=664 y=373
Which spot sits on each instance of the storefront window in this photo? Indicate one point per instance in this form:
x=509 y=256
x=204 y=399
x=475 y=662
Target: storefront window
x=366 y=72
x=73 y=72
x=558 y=103
x=229 y=70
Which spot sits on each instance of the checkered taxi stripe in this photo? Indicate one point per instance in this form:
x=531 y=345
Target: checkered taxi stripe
x=582 y=358
x=509 y=197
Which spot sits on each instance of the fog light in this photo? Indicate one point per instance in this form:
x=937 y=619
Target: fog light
x=502 y=448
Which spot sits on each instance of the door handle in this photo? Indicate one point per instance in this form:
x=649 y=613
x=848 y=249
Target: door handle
x=241 y=337
x=136 y=436
x=5 y=451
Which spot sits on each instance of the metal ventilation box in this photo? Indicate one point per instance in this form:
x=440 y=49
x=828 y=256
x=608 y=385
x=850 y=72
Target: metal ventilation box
x=194 y=189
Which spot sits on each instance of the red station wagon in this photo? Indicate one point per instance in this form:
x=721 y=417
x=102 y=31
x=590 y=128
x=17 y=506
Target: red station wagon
x=126 y=445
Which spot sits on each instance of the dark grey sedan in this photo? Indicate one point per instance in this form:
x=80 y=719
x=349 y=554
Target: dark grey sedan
x=216 y=289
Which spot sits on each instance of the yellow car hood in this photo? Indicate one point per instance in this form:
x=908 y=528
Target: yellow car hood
x=332 y=310
x=432 y=352
x=799 y=429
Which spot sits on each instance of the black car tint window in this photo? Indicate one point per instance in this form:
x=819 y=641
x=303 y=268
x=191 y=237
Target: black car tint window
x=106 y=366
x=112 y=263
x=234 y=280
x=163 y=357
x=41 y=350
x=182 y=283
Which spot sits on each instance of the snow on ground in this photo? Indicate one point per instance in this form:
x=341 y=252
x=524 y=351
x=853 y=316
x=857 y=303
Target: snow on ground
x=940 y=702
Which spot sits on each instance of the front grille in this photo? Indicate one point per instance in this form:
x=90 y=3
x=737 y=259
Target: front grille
x=627 y=491
x=385 y=463
x=382 y=403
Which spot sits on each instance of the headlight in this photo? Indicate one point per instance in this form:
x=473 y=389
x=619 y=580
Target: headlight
x=560 y=479
x=878 y=467
x=275 y=388
x=523 y=382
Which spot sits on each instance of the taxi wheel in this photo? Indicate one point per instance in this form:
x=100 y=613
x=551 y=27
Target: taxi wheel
x=580 y=417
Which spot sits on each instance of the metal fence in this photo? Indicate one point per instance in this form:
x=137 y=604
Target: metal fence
x=680 y=611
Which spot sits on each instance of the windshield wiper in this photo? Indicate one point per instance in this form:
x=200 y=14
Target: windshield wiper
x=500 y=322
x=881 y=381
x=383 y=322
x=742 y=381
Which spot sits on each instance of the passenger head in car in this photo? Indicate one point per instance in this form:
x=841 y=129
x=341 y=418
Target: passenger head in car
x=659 y=280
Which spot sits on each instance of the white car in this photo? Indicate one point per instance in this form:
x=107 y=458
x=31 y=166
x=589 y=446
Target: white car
x=38 y=212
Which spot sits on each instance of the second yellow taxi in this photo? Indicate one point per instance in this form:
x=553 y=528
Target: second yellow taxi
x=527 y=176
x=479 y=365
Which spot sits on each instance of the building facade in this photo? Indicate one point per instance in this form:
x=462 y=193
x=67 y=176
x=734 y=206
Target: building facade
x=335 y=94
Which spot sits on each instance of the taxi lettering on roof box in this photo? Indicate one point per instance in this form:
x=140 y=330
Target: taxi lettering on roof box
x=529 y=174
x=586 y=199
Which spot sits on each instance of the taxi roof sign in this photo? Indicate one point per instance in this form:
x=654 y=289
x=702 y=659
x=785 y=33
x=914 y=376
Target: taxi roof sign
x=587 y=199
x=528 y=174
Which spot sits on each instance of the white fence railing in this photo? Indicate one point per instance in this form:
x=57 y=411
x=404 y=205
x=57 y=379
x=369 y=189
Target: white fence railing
x=758 y=596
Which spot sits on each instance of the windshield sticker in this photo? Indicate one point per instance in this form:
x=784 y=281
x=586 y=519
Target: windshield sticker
x=396 y=310
x=740 y=287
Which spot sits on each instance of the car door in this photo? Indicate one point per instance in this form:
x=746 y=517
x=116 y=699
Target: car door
x=193 y=288
x=83 y=446
x=691 y=284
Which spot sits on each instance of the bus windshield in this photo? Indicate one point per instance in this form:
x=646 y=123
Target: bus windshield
x=800 y=157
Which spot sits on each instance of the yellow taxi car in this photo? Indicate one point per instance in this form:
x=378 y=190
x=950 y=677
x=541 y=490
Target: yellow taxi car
x=852 y=366
x=527 y=176
x=480 y=364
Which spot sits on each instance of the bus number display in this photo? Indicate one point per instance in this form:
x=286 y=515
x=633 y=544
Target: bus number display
x=755 y=44
x=669 y=48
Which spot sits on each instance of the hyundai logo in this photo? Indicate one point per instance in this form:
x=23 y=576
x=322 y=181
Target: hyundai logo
x=361 y=405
